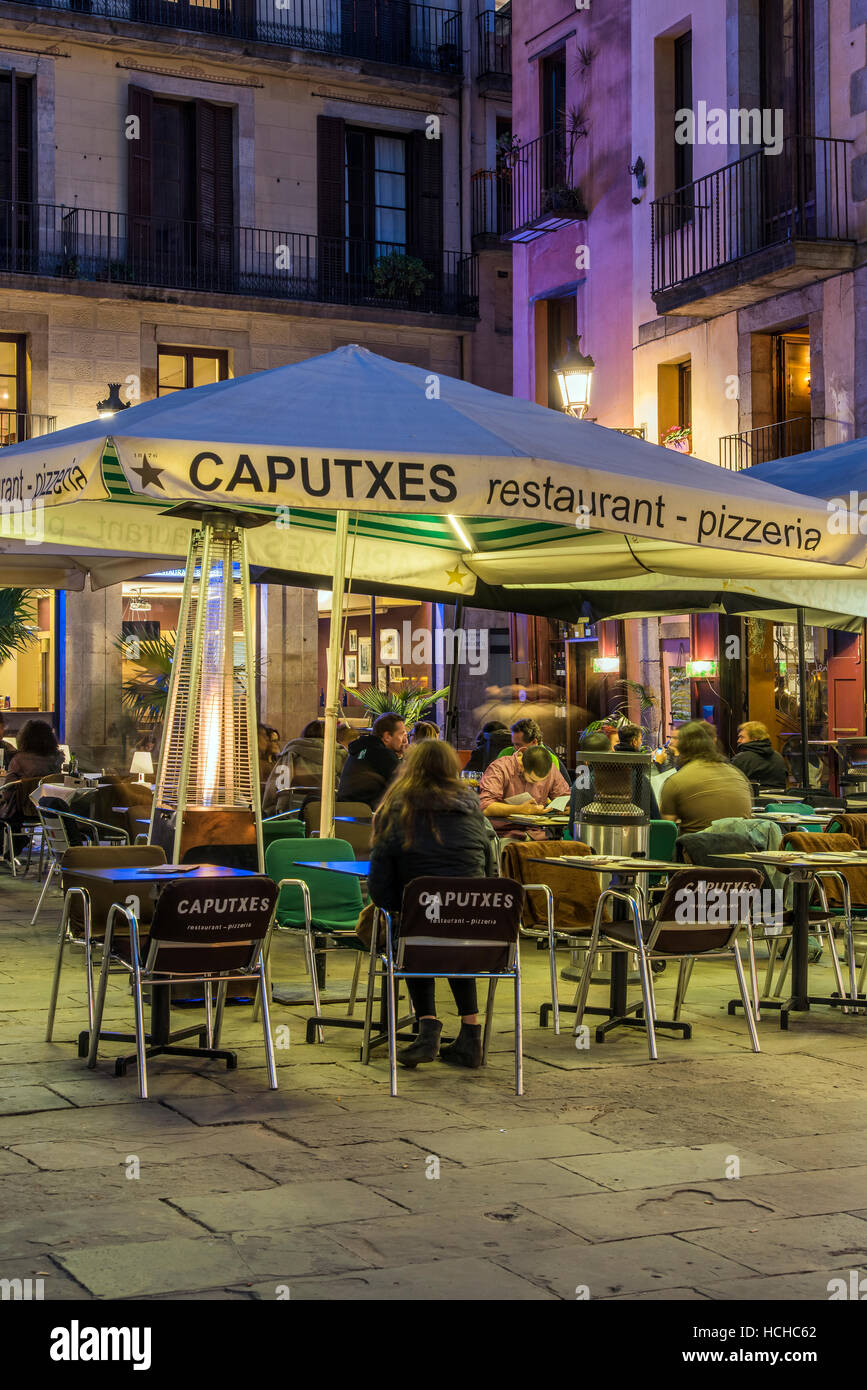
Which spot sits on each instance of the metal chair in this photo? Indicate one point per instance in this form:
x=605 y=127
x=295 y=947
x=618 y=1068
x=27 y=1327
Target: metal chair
x=86 y=906
x=28 y=824
x=208 y=931
x=442 y=937
x=325 y=906
x=55 y=838
x=355 y=831
x=669 y=934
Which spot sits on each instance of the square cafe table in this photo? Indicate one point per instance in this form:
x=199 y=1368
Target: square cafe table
x=161 y=1039
x=623 y=869
x=803 y=868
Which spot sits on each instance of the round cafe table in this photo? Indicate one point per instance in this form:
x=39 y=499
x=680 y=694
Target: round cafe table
x=803 y=868
x=623 y=870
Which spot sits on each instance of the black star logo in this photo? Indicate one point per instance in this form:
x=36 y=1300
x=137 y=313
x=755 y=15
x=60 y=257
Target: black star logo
x=149 y=474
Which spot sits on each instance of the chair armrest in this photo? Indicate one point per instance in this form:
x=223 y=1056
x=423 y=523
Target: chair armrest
x=305 y=895
x=282 y=815
x=95 y=824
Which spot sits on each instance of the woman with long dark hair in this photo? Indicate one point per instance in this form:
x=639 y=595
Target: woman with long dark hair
x=38 y=754
x=430 y=823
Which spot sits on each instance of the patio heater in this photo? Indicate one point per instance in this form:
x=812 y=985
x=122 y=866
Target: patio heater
x=614 y=802
x=207 y=784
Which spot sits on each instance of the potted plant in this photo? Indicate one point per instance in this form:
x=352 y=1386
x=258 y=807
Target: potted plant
x=679 y=438
x=563 y=199
x=410 y=702
x=398 y=276
x=17 y=622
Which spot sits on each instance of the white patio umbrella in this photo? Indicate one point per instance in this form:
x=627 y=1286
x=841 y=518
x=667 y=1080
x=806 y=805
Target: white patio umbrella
x=432 y=483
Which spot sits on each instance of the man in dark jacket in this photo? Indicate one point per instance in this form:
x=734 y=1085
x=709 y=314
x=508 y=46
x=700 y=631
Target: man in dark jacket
x=757 y=760
x=373 y=760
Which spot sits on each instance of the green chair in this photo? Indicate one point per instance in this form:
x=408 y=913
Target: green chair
x=284 y=827
x=660 y=841
x=794 y=808
x=322 y=904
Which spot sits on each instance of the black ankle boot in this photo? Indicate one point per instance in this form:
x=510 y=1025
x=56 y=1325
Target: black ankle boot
x=466 y=1050
x=426 y=1045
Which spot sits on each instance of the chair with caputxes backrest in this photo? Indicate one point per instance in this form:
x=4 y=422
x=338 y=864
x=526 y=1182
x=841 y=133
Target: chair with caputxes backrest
x=681 y=928
x=456 y=928
x=203 y=931
x=86 y=905
x=559 y=903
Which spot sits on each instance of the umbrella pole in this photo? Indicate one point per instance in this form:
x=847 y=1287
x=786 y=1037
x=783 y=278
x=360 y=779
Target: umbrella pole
x=451 y=711
x=332 y=691
x=802 y=697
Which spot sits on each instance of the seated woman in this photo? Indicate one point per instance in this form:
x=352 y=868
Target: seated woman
x=38 y=755
x=431 y=823
x=705 y=787
x=299 y=763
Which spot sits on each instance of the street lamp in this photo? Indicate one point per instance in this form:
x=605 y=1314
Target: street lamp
x=574 y=373
x=112 y=403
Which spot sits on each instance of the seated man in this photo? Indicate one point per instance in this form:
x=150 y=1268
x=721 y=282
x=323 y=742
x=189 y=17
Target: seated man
x=756 y=758
x=526 y=733
x=519 y=784
x=373 y=760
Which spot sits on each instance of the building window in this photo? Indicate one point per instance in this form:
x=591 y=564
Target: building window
x=179 y=368
x=683 y=102
x=674 y=400
x=552 y=81
x=375 y=190
x=13 y=388
x=16 y=138
x=554 y=324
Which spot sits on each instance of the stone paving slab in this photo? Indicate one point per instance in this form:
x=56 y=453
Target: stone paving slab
x=474 y=1146
x=624 y=1266
x=67 y=1225
x=644 y=1168
x=442 y=1279
x=38 y=1192
x=489 y=1185
x=795 y=1244
x=423 y=1237
x=137 y=1268
x=681 y=1207
x=300 y=1203
x=781 y=1288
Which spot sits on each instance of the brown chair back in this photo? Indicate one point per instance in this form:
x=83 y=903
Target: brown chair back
x=700 y=907
x=210 y=925
x=853 y=825
x=103 y=894
x=358 y=835
x=817 y=842
x=575 y=893
x=459 y=925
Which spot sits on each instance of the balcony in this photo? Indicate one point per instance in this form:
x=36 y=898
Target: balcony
x=494 y=50
x=544 y=196
x=111 y=247
x=16 y=425
x=765 y=224
x=492 y=206
x=766 y=442
x=382 y=31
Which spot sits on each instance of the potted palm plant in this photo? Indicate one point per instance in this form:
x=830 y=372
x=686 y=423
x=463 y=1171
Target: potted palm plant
x=17 y=622
x=410 y=702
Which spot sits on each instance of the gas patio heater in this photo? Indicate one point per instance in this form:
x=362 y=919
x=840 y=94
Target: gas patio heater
x=207 y=785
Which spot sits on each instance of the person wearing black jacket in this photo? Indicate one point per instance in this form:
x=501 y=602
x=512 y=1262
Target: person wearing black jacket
x=373 y=759
x=757 y=759
x=431 y=824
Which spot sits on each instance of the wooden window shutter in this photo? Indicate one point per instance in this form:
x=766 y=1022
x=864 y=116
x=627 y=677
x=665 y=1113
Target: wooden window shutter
x=23 y=153
x=427 y=200
x=331 y=204
x=215 y=194
x=139 y=198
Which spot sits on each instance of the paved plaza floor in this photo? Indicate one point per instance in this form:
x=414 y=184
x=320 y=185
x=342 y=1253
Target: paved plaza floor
x=712 y=1174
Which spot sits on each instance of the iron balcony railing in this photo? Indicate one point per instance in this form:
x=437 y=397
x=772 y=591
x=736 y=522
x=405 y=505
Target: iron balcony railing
x=16 y=425
x=492 y=202
x=386 y=31
x=759 y=201
x=494 y=43
x=543 y=193
x=766 y=442
x=89 y=244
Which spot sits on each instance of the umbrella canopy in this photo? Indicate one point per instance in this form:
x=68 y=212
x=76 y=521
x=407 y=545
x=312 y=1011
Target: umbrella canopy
x=451 y=487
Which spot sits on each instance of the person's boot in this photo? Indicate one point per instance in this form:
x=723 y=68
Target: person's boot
x=466 y=1050
x=425 y=1047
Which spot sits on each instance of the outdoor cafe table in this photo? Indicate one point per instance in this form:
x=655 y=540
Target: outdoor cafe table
x=792 y=819
x=803 y=868
x=623 y=869
x=160 y=1039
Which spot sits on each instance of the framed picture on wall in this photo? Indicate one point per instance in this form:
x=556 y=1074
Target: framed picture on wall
x=396 y=673
x=353 y=639
x=382 y=679
x=389 y=644
x=365 y=669
x=350 y=667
